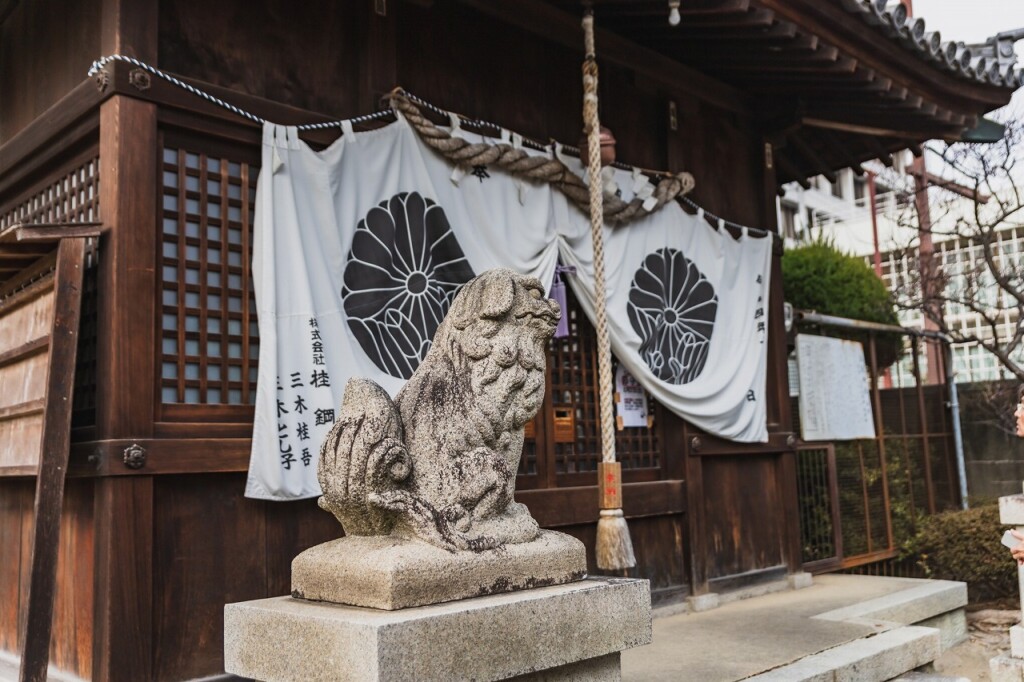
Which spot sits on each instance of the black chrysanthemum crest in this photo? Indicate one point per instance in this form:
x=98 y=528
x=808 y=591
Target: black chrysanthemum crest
x=403 y=270
x=672 y=308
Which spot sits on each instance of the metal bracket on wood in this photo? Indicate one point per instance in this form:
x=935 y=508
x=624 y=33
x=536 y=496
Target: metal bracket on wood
x=695 y=443
x=139 y=79
x=135 y=456
x=103 y=79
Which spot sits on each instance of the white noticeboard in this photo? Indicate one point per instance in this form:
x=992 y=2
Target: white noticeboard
x=630 y=400
x=835 y=398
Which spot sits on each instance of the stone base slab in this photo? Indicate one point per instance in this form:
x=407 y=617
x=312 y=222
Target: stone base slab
x=541 y=632
x=703 y=602
x=385 y=572
x=1006 y=669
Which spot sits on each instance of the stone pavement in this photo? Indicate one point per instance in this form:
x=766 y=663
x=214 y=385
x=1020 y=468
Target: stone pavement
x=750 y=637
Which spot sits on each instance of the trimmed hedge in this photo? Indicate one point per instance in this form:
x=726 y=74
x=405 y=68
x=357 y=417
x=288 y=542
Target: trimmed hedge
x=964 y=545
x=821 y=278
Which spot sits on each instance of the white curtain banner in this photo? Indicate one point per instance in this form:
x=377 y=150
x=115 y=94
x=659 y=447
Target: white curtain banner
x=360 y=248
x=687 y=308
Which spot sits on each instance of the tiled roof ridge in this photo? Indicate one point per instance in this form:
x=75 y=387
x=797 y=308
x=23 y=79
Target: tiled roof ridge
x=992 y=62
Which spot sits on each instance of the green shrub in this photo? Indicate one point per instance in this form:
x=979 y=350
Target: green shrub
x=821 y=278
x=964 y=545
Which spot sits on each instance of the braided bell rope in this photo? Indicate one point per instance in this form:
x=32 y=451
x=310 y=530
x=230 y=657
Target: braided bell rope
x=592 y=126
x=518 y=162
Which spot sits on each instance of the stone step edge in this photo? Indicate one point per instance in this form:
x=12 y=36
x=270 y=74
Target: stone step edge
x=871 y=659
x=929 y=599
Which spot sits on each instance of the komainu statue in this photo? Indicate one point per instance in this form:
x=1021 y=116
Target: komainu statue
x=439 y=463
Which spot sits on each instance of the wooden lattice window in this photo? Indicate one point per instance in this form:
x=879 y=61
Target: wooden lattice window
x=208 y=332
x=566 y=438
x=74 y=196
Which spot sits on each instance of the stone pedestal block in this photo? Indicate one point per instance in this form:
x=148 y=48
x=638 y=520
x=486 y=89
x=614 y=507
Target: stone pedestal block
x=565 y=632
x=387 y=572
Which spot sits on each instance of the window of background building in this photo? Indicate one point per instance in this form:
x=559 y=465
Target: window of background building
x=859 y=190
x=789 y=229
x=837 y=188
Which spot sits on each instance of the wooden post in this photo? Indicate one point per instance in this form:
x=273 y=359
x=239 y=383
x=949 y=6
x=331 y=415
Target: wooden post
x=697 y=537
x=126 y=353
x=880 y=436
x=126 y=350
x=53 y=459
x=779 y=409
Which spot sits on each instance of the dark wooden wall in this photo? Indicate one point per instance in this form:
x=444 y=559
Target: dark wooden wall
x=71 y=639
x=46 y=47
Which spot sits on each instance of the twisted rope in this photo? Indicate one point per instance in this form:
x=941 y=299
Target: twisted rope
x=98 y=69
x=592 y=126
x=515 y=161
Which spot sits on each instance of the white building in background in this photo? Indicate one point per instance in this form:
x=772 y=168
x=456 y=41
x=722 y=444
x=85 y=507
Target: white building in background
x=841 y=212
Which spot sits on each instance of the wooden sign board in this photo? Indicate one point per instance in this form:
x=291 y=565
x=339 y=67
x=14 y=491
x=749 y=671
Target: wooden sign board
x=24 y=340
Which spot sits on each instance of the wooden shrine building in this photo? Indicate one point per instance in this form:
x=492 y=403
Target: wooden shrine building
x=154 y=535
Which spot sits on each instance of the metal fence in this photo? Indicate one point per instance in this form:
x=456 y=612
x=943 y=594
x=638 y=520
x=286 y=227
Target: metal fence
x=860 y=501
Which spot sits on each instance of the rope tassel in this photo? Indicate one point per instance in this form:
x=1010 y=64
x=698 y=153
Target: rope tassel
x=614 y=546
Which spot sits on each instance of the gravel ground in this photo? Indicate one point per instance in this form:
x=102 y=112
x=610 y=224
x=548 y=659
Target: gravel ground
x=988 y=635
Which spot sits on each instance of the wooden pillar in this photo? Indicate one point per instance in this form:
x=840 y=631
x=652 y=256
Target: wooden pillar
x=697 y=536
x=780 y=418
x=122 y=640
x=126 y=351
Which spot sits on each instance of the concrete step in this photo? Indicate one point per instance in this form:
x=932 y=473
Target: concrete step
x=871 y=659
x=926 y=600
x=931 y=603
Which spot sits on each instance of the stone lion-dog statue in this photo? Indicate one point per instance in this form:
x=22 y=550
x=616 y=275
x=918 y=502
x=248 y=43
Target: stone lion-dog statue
x=439 y=462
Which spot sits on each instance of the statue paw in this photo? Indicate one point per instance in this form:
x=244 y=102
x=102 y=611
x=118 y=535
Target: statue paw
x=445 y=528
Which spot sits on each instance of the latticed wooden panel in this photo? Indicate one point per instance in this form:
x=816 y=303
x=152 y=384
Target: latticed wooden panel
x=208 y=332
x=74 y=196
x=572 y=380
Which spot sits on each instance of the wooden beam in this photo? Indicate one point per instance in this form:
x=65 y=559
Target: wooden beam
x=562 y=28
x=790 y=170
x=874 y=130
x=808 y=153
x=65 y=124
x=690 y=7
x=751 y=19
x=840 y=150
x=779 y=33
x=853 y=37
x=25 y=409
x=24 y=351
x=784 y=66
x=48 y=232
x=53 y=460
